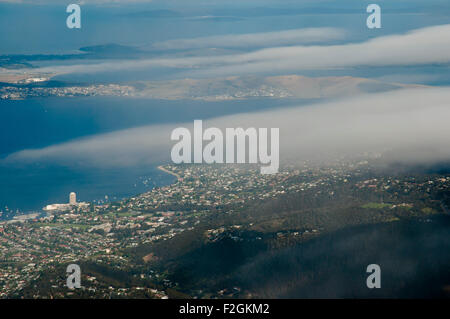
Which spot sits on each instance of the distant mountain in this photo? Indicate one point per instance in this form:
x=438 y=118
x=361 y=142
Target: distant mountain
x=104 y=51
x=286 y=86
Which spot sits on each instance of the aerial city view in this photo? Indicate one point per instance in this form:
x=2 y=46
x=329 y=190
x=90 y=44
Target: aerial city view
x=247 y=150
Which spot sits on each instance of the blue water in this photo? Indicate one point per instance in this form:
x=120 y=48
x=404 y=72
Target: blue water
x=31 y=187
x=38 y=123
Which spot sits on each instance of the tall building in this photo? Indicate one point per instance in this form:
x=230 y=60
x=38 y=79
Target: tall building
x=73 y=199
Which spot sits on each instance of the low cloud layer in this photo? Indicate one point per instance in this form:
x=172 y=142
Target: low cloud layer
x=263 y=39
x=419 y=47
x=424 y=46
x=412 y=124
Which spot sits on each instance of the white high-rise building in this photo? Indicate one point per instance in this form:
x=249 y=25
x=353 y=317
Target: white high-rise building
x=67 y=207
x=73 y=198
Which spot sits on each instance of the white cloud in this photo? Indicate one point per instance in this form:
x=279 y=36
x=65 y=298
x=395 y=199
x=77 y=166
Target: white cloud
x=263 y=39
x=412 y=123
x=423 y=46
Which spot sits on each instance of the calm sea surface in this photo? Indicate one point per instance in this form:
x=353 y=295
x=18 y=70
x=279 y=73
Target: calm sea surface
x=38 y=123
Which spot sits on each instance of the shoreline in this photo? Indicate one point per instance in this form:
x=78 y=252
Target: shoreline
x=161 y=168
x=27 y=212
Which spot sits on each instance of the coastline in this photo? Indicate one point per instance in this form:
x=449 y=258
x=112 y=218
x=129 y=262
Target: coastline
x=25 y=213
x=161 y=168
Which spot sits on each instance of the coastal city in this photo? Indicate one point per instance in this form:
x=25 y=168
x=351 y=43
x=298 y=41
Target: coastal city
x=111 y=234
x=8 y=92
